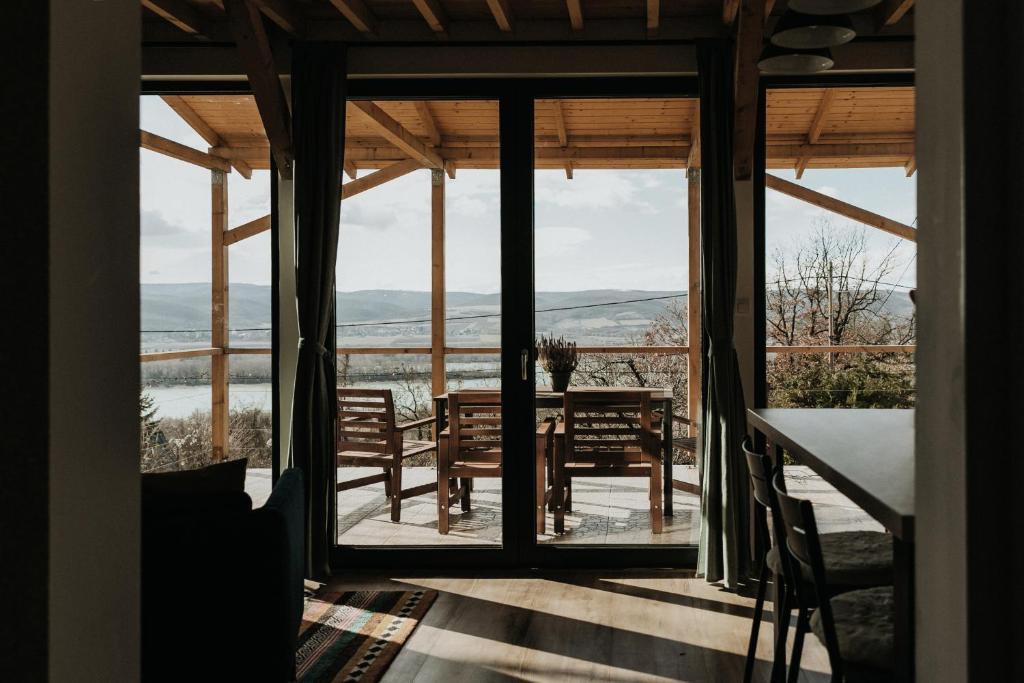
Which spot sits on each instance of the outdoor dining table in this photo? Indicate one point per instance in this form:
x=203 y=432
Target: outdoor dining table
x=867 y=455
x=661 y=399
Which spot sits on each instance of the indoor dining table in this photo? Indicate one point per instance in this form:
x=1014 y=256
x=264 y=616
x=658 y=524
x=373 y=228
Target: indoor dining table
x=868 y=456
x=661 y=398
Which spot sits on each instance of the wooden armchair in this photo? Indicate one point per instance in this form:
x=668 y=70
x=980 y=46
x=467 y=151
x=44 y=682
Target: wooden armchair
x=470 y=447
x=369 y=437
x=607 y=434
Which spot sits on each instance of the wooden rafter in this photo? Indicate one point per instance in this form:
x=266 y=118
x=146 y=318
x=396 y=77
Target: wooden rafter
x=749 y=38
x=358 y=14
x=283 y=14
x=427 y=118
x=397 y=135
x=900 y=150
x=817 y=125
x=563 y=132
x=502 y=13
x=350 y=169
x=203 y=129
x=176 y=150
x=911 y=166
x=396 y=170
x=179 y=13
x=693 y=160
x=653 y=16
x=730 y=8
x=449 y=168
x=840 y=207
x=246 y=230
x=258 y=60
x=891 y=11
x=575 y=8
x=433 y=14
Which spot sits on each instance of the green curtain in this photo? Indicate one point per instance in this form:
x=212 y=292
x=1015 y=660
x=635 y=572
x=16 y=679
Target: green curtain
x=724 y=552
x=318 y=138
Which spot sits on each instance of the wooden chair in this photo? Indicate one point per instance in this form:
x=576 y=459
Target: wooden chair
x=609 y=433
x=470 y=447
x=369 y=437
x=856 y=626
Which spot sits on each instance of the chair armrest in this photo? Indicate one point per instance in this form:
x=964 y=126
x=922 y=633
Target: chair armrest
x=546 y=428
x=416 y=423
x=560 y=429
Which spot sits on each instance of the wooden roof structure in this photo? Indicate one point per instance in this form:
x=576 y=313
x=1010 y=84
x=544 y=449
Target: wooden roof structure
x=806 y=128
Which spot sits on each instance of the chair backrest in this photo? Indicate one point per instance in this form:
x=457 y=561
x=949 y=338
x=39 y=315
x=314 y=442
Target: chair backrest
x=366 y=420
x=614 y=425
x=801 y=531
x=474 y=419
x=761 y=470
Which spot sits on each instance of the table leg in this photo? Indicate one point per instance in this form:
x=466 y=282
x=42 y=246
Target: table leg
x=666 y=435
x=903 y=590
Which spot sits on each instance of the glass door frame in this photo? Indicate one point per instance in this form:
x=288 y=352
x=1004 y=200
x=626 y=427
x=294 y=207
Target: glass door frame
x=519 y=548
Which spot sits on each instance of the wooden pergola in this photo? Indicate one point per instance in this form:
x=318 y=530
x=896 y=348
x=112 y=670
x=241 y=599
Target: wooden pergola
x=806 y=128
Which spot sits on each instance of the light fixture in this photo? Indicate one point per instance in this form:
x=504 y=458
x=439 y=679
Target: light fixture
x=780 y=60
x=831 y=6
x=808 y=32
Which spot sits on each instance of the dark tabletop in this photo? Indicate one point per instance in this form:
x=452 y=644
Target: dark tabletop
x=868 y=455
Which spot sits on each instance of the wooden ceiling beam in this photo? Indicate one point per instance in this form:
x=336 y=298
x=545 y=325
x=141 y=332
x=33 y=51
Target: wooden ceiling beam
x=817 y=125
x=901 y=150
x=358 y=14
x=562 y=131
x=891 y=11
x=246 y=24
x=749 y=40
x=730 y=8
x=397 y=135
x=282 y=13
x=179 y=13
x=203 y=129
x=653 y=16
x=246 y=230
x=427 y=118
x=502 y=14
x=911 y=166
x=575 y=8
x=350 y=169
x=433 y=14
x=840 y=207
x=176 y=150
x=693 y=161
x=396 y=170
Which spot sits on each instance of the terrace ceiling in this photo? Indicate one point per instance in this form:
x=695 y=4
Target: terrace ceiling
x=806 y=128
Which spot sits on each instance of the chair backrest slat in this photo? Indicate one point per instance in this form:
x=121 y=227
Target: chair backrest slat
x=599 y=424
x=366 y=420
x=474 y=419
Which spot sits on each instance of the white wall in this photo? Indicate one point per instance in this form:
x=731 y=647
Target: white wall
x=94 y=343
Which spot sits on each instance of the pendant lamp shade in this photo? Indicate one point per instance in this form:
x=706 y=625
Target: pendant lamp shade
x=810 y=32
x=778 y=60
x=828 y=7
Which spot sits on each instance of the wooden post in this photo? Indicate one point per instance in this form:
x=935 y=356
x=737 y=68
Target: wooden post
x=438 y=382
x=693 y=302
x=219 y=315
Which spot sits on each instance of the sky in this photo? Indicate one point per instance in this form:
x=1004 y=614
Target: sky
x=604 y=229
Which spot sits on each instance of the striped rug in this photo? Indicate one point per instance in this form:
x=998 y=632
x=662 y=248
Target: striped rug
x=354 y=636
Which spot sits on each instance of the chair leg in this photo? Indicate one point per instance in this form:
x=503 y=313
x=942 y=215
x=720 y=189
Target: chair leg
x=568 y=495
x=539 y=484
x=657 y=519
x=396 y=491
x=755 y=627
x=558 y=488
x=783 y=605
x=387 y=483
x=444 y=493
x=467 y=486
x=798 y=644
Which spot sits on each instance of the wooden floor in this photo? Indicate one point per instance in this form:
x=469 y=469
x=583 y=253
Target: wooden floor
x=582 y=626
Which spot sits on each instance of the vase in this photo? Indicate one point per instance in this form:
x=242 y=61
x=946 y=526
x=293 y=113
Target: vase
x=560 y=380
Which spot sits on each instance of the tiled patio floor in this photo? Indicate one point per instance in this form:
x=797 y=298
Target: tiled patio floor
x=605 y=511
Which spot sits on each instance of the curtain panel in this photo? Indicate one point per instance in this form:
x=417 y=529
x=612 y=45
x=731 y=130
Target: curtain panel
x=724 y=552
x=318 y=139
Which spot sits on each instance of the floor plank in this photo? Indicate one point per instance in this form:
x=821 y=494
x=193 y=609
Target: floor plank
x=618 y=626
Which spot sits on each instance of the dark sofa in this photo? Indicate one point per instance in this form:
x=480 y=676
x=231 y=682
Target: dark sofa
x=222 y=591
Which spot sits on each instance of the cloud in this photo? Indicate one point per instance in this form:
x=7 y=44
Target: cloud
x=560 y=239
x=153 y=224
x=469 y=206
x=588 y=191
x=829 y=190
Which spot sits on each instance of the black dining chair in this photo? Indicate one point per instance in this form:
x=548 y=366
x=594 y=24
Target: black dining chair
x=852 y=560
x=856 y=626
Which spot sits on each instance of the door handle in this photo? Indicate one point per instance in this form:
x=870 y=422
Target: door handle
x=526 y=362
